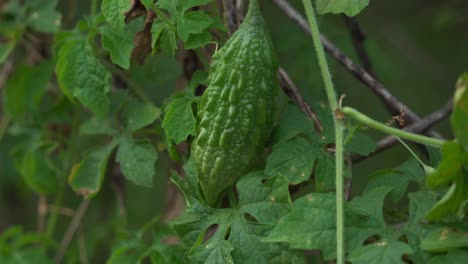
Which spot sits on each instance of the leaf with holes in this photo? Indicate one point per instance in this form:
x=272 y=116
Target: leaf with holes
x=311 y=224
x=380 y=252
x=398 y=178
x=262 y=201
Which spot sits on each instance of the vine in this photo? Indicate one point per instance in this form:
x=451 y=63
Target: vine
x=174 y=132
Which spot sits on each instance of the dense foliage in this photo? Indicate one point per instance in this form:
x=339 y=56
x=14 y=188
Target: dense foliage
x=86 y=113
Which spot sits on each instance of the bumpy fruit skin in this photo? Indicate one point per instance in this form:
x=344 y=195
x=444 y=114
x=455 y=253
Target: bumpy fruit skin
x=235 y=114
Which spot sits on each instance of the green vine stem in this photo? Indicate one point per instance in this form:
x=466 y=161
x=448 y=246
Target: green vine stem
x=338 y=129
x=362 y=118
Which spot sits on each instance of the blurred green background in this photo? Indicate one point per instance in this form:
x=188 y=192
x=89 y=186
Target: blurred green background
x=418 y=49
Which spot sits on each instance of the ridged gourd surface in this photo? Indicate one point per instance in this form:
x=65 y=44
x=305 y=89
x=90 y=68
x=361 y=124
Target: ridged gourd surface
x=235 y=116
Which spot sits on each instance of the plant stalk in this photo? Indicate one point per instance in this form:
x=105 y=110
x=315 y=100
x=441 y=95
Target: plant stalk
x=362 y=118
x=333 y=102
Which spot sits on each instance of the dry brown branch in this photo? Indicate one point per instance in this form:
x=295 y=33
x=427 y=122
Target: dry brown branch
x=71 y=230
x=391 y=102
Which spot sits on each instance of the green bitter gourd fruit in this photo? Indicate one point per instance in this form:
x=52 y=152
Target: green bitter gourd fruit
x=235 y=114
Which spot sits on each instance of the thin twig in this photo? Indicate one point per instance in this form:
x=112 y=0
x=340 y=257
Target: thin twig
x=74 y=224
x=41 y=213
x=418 y=127
x=291 y=90
x=358 y=37
x=391 y=102
x=230 y=15
x=82 y=246
x=240 y=6
x=60 y=210
x=7 y=69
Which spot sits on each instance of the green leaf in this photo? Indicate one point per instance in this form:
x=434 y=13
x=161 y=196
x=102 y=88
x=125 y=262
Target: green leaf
x=262 y=201
x=169 y=5
x=420 y=203
x=198 y=40
x=371 y=204
x=348 y=7
x=294 y=159
x=108 y=125
x=214 y=251
x=179 y=121
x=81 y=75
x=176 y=7
x=381 y=252
x=42 y=16
x=98 y=126
x=137 y=160
x=450 y=167
x=23 y=256
x=398 y=178
x=37 y=170
x=163 y=36
x=198 y=78
x=187 y=4
x=156 y=31
x=114 y=11
x=86 y=177
x=325 y=173
x=459 y=117
x=312 y=225
x=193 y=23
x=24 y=90
x=452 y=203
x=361 y=144
x=168 y=41
x=453 y=257
x=445 y=239
x=292 y=123
x=136 y=115
x=119 y=44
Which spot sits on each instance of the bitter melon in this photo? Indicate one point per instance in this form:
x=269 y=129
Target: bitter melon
x=235 y=115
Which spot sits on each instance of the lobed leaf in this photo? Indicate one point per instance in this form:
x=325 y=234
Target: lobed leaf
x=380 y=252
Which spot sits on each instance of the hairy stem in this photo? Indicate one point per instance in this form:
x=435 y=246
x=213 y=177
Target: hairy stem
x=338 y=129
x=362 y=118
